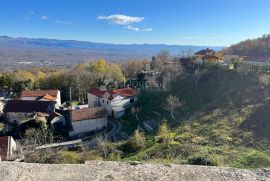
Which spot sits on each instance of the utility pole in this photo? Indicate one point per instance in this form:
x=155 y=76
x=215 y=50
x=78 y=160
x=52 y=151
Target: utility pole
x=70 y=96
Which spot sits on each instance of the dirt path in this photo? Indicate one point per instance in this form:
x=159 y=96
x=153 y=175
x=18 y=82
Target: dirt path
x=11 y=171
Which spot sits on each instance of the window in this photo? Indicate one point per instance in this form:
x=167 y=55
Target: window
x=107 y=102
x=103 y=101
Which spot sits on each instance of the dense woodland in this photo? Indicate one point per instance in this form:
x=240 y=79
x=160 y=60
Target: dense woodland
x=259 y=47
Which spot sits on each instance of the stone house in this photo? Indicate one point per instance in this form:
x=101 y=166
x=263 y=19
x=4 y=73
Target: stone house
x=87 y=120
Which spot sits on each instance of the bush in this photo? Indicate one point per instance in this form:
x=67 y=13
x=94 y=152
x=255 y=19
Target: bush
x=202 y=160
x=135 y=143
x=46 y=156
x=163 y=133
x=253 y=159
x=106 y=150
x=91 y=155
x=264 y=79
x=69 y=157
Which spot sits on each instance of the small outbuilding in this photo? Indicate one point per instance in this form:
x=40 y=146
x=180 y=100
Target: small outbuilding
x=87 y=120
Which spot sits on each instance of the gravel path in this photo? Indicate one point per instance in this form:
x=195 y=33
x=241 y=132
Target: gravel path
x=98 y=170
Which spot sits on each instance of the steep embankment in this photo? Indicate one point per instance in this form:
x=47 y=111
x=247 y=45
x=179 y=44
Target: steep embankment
x=224 y=120
x=10 y=171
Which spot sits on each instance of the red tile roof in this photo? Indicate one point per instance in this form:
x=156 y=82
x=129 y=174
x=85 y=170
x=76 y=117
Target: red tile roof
x=110 y=94
x=39 y=93
x=212 y=57
x=49 y=97
x=204 y=52
x=97 y=91
x=126 y=92
x=88 y=113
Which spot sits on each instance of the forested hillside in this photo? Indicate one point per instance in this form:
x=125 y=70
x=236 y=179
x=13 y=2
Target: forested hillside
x=223 y=120
x=259 y=47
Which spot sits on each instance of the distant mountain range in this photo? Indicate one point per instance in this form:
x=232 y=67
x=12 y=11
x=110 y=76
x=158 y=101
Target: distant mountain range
x=25 y=52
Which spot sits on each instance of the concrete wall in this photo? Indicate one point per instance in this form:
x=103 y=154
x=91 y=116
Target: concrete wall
x=12 y=117
x=85 y=126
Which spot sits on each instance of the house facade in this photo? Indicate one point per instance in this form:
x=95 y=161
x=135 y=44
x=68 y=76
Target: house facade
x=42 y=95
x=18 y=111
x=209 y=56
x=114 y=101
x=87 y=120
x=7 y=148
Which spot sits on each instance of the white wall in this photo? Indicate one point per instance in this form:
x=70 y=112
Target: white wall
x=11 y=148
x=91 y=100
x=29 y=98
x=85 y=126
x=118 y=101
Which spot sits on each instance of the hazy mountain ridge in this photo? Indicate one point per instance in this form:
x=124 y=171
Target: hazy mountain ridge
x=74 y=44
x=23 y=52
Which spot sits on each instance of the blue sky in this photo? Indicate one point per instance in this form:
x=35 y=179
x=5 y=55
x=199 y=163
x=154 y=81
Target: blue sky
x=189 y=22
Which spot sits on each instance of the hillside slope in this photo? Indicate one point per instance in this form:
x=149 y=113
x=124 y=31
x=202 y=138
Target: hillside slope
x=259 y=47
x=225 y=120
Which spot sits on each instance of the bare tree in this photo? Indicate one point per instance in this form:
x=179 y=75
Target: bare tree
x=173 y=103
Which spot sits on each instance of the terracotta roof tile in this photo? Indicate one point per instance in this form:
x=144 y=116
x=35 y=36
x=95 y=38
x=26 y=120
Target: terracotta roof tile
x=39 y=93
x=88 y=113
x=204 y=52
x=97 y=92
x=49 y=97
x=110 y=94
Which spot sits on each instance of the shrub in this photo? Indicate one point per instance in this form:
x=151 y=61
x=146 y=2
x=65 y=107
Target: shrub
x=69 y=157
x=135 y=143
x=163 y=133
x=1 y=126
x=264 y=79
x=106 y=149
x=253 y=159
x=46 y=156
x=91 y=155
x=204 y=160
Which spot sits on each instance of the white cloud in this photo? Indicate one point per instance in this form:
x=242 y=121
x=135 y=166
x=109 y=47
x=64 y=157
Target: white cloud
x=133 y=28
x=44 y=17
x=147 y=29
x=121 y=19
x=63 y=22
x=138 y=29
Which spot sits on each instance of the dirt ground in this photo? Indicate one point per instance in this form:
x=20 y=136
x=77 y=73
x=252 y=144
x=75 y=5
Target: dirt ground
x=99 y=170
